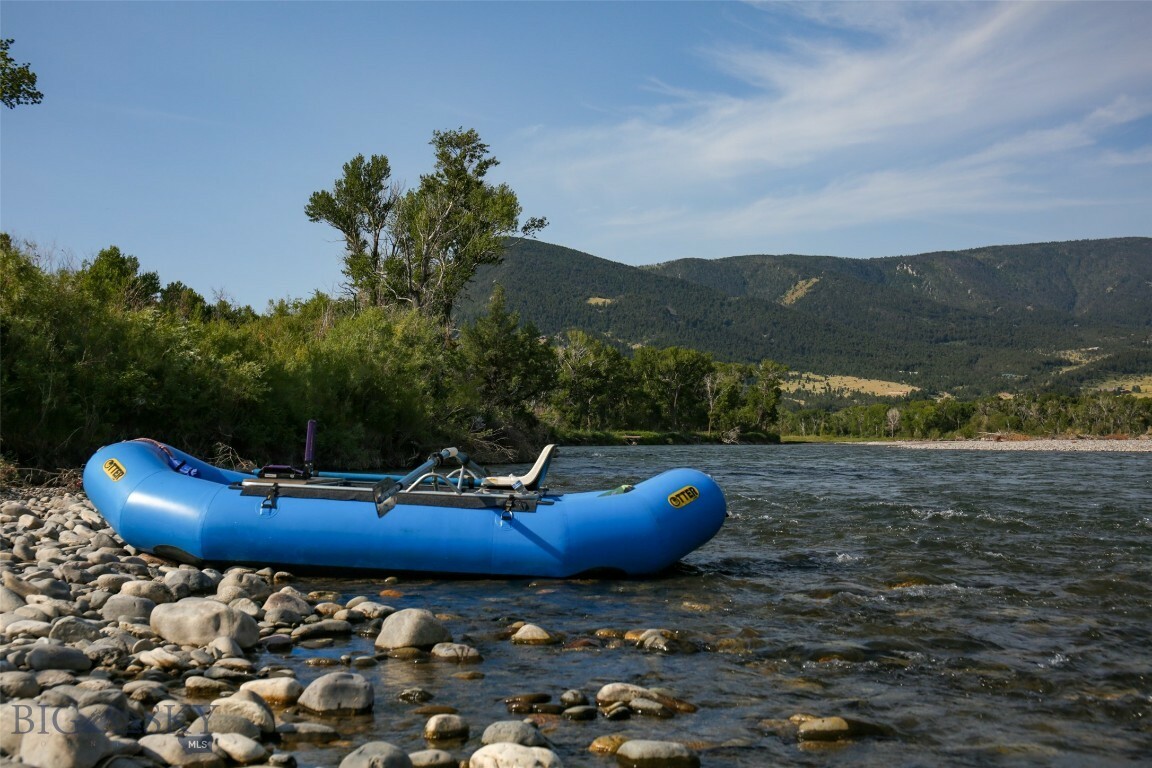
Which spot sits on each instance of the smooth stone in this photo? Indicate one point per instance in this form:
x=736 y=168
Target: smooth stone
x=70 y=629
x=433 y=758
x=515 y=732
x=152 y=590
x=287 y=599
x=837 y=729
x=200 y=687
x=69 y=740
x=184 y=582
x=643 y=753
x=608 y=744
x=198 y=621
x=456 y=652
x=58 y=657
x=412 y=628
x=277 y=691
x=250 y=584
x=446 y=727
x=650 y=708
x=338 y=693
x=239 y=748
x=508 y=755
x=619 y=692
x=250 y=706
x=127 y=607
x=581 y=712
x=169 y=716
x=309 y=732
x=530 y=634
x=376 y=754
x=168 y=749
x=18 y=685
x=322 y=628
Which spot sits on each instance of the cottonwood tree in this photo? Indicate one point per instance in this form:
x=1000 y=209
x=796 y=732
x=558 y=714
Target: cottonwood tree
x=359 y=208
x=17 y=81
x=421 y=247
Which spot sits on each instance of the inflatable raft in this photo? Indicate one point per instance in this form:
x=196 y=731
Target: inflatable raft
x=435 y=519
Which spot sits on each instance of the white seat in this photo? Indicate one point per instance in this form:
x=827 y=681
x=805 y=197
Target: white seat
x=532 y=480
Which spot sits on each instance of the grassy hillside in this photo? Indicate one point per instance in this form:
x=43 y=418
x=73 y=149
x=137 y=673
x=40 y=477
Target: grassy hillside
x=977 y=321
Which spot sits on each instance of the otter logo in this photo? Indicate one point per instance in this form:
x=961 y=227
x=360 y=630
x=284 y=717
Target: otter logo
x=114 y=470
x=684 y=496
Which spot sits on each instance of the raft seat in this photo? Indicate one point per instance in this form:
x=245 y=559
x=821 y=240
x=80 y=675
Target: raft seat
x=531 y=480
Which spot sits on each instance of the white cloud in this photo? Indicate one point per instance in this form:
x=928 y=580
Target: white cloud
x=898 y=109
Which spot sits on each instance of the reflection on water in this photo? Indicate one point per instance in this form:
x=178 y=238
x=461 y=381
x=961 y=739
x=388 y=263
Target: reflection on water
x=982 y=607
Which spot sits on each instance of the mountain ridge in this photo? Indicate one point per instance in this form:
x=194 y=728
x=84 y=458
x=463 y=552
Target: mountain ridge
x=976 y=320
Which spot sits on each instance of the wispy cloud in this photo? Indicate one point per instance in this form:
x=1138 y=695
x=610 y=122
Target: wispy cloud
x=891 y=111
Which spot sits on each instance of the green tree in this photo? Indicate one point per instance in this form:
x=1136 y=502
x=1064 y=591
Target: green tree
x=17 y=81
x=506 y=363
x=594 y=383
x=672 y=380
x=359 y=208
x=114 y=279
x=451 y=224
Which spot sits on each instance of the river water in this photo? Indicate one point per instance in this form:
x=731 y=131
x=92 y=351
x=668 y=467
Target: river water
x=983 y=608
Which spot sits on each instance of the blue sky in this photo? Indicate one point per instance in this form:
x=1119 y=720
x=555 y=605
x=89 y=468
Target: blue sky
x=191 y=134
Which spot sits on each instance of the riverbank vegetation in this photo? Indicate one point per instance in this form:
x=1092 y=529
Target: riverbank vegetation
x=105 y=352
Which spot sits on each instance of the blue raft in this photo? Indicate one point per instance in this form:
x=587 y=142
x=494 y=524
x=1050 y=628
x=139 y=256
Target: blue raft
x=165 y=501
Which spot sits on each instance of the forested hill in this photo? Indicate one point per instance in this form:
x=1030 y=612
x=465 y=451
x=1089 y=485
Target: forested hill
x=1001 y=317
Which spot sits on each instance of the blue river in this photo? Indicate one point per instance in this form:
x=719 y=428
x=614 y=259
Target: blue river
x=978 y=607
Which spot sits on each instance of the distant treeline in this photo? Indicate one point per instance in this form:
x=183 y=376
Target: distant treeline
x=1046 y=414
x=105 y=352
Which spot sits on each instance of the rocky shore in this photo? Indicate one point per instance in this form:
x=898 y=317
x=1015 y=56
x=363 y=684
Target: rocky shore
x=1141 y=444
x=114 y=658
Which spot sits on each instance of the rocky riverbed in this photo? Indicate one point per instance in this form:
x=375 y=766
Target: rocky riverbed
x=116 y=658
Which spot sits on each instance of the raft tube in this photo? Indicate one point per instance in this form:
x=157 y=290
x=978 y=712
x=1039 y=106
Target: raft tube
x=167 y=502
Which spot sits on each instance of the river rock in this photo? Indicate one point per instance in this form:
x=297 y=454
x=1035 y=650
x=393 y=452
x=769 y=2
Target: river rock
x=446 y=727
x=167 y=749
x=198 y=621
x=239 y=748
x=515 y=732
x=338 y=693
x=185 y=582
x=376 y=754
x=67 y=739
x=508 y=755
x=69 y=629
x=412 y=628
x=18 y=685
x=837 y=729
x=433 y=758
x=250 y=584
x=619 y=692
x=642 y=753
x=127 y=608
x=43 y=656
x=9 y=600
x=286 y=607
x=277 y=691
x=249 y=706
x=169 y=716
x=456 y=652
x=153 y=590
x=322 y=628
x=531 y=634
